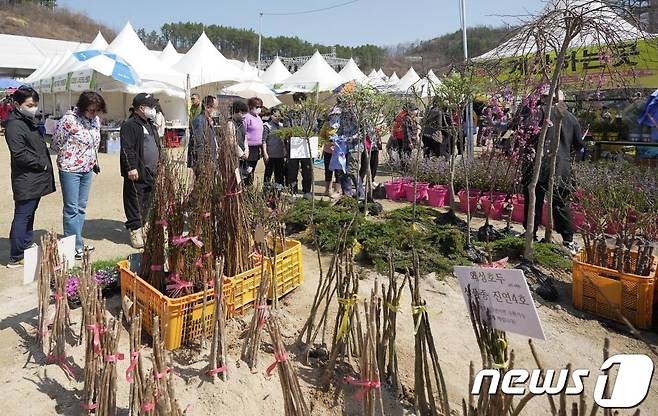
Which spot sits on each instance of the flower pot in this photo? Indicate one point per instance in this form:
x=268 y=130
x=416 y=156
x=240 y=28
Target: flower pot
x=421 y=191
x=393 y=190
x=470 y=202
x=438 y=196
x=518 y=209
x=493 y=204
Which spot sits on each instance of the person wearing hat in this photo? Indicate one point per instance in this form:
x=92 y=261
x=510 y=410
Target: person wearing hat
x=140 y=153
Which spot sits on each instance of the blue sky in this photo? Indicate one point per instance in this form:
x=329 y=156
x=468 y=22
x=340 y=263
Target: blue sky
x=381 y=22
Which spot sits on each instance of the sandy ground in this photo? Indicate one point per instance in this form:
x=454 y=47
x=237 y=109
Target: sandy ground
x=572 y=337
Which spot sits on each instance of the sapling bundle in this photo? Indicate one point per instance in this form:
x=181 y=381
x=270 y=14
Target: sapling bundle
x=139 y=397
x=164 y=394
x=218 y=362
x=324 y=294
x=293 y=398
x=49 y=263
x=345 y=342
x=154 y=257
x=386 y=313
x=94 y=326
x=107 y=390
x=252 y=336
x=369 y=383
x=430 y=394
x=61 y=324
x=231 y=231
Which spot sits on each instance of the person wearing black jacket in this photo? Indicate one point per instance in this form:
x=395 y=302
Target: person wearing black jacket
x=31 y=170
x=570 y=137
x=140 y=153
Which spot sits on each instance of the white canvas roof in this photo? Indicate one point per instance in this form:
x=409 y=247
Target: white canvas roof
x=275 y=73
x=517 y=45
x=99 y=43
x=393 y=79
x=169 y=55
x=373 y=74
x=431 y=76
x=24 y=52
x=206 y=65
x=409 y=79
x=253 y=89
x=382 y=74
x=314 y=75
x=351 y=72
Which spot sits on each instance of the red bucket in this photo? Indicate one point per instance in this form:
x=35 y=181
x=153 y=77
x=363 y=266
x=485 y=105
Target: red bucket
x=393 y=190
x=472 y=200
x=421 y=191
x=518 y=209
x=493 y=210
x=438 y=196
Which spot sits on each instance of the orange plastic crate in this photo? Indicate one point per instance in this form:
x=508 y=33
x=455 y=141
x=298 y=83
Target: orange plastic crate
x=628 y=294
x=180 y=318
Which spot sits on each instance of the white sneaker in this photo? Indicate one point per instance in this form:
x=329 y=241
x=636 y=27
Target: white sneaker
x=136 y=240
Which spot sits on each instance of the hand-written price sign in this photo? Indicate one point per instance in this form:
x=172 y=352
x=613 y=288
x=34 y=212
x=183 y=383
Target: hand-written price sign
x=505 y=294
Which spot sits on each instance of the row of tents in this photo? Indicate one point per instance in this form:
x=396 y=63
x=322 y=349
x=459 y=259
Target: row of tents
x=172 y=75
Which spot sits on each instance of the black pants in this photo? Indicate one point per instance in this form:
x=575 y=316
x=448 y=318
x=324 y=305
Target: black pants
x=374 y=164
x=561 y=214
x=307 y=174
x=276 y=166
x=136 y=202
x=252 y=162
x=431 y=147
x=22 y=227
x=328 y=173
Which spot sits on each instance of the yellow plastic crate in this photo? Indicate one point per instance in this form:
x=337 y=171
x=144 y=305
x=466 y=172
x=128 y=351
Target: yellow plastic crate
x=608 y=293
x=180 y=318
x=289 y=271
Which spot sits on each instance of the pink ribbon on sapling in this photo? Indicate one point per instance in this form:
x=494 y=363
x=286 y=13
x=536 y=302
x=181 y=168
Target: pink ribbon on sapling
x=364 y=384
x=216 y=371
x=113 y=358
x=181 y=240
x=279 y=357
x=134 y=359
x=98 y=330
x=159 y=376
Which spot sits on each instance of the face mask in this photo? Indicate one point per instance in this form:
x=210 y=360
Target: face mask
x=256 y=111
x=149 y=113
x=28 y=111
x=214 y=113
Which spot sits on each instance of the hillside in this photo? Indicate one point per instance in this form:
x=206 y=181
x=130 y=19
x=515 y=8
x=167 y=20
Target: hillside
x=38 y=21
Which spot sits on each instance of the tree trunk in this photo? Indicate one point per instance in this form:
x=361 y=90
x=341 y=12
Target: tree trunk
x=555 y=145
x=530 y=221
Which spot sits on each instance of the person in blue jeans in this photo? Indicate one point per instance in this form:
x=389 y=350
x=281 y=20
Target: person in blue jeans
x=31 y=170
x=76 y=141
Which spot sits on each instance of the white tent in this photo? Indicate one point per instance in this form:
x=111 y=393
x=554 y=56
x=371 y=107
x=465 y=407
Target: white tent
x=99 y=43
x=169 y=56
x=407 y=81
x=250 y=72
x=381 y=74
x=393 y=79
x=253 y=89
x=24 y=54
x=351 y=72
x=206 y=65
x=431 y=76
x=275 y=73
x=373 y=74
x=314 y=76
x=518 y=45
x=156 y=78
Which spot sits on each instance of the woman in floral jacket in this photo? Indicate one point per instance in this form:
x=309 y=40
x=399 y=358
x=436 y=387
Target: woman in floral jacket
x=76 y=141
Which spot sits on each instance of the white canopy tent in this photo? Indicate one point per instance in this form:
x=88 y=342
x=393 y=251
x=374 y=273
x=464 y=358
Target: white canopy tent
x=253 y=89
x=275 y=73
x=381 y=74
x=407 y=81
x=431 y=76
x=393 y=79
x=314 y=76
x=519 y=45
x=351 y=72
x=169 y=56
x=373 y=74
x=206 y=65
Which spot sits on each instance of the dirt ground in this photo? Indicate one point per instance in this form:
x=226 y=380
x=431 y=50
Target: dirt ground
x=572 y=337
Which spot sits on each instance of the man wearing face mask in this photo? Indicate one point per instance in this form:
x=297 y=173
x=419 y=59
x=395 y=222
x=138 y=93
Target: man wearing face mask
x=275 y=148
x=204 y=144
x=31 y=170
x=140 y=153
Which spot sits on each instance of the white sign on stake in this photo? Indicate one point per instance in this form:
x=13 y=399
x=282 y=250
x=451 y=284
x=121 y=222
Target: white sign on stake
x=32 y=258
x=299 y=147
x=506 y=295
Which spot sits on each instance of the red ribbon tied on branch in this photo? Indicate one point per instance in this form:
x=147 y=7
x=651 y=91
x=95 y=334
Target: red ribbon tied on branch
x=365 y=385
x=180 y=240
x=216 y=371
x=177 y=284
x=97 y=330
x=113 y=358
x=279 y=357
x=134 y=359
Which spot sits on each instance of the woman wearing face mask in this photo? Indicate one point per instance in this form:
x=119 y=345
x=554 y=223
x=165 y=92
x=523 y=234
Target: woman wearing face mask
x=236 y=133
x=31 y=170
x=140 y=153
x=253 y=129
x=76 y=142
